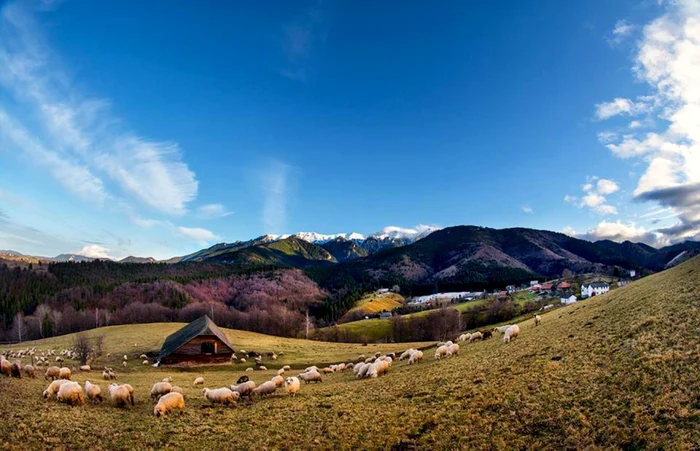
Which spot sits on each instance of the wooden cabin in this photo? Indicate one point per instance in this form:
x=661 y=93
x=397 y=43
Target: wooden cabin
x=201 y=341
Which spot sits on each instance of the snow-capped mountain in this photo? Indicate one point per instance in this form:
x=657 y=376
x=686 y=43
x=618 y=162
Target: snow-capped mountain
x=319 y=238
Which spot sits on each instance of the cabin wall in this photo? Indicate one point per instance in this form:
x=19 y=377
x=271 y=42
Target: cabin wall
x=194 y=346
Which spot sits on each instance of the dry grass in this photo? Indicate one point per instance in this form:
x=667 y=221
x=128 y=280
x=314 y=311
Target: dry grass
x=375 y=303
x=619 y=370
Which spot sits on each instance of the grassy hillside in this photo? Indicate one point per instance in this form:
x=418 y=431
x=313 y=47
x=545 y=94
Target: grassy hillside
x=375 y=303
x=619 y=370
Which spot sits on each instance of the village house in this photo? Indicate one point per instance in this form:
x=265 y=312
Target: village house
x=563 y=286
x=510 y=288
x=201 y=341
x=594 y=288
x=566 y=300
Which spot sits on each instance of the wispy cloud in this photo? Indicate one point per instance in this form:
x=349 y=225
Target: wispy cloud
x=213 y=211
x=275 y=182
x=666 y=60
x=198 y=235
x=526 y=208
x=621 y=31
x=302 y=36
x=619 y=231
x=87 y=142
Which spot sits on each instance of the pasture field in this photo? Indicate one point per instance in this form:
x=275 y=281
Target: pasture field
x=375 y=303
x=616 y=371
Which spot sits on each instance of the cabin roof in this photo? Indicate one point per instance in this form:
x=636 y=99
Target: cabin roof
x=200 y=326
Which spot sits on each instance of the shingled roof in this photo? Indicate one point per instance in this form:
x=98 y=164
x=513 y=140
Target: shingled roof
x=200 y=326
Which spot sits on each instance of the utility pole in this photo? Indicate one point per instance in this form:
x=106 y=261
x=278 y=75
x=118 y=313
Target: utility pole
x=307 y=323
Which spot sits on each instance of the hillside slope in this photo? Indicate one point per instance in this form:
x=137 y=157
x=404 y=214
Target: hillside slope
x=618 y=370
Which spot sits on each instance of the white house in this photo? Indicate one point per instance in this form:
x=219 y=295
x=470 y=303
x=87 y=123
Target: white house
x=594 y=289
x=568 y=300
x=534 y=282
x=633 y=273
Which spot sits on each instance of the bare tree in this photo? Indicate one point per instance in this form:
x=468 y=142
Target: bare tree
x=82 y=348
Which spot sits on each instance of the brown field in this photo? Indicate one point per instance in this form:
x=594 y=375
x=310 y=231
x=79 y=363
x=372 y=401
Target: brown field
x=619 y=370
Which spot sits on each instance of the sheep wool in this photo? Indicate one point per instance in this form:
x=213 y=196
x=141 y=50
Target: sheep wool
x=278 y=380
x=169 y=402
x=441 y=352
x=53 y=387
x=121 y=395
x=198 y=381
x=266 y=388
x=511 y=333
x=223 y=395
x=159 y=389
x=93 y=392
x=29 y=371
x=244 y=389
x=452 y=350
x=52 y=373
x=16 y=369
x=310 y=376
x=416 y=356
x=71 y=393
x=292 y=385
x=64 y=373
x=538 y=320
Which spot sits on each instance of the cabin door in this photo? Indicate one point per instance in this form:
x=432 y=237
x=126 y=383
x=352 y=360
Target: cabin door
x=208 y=348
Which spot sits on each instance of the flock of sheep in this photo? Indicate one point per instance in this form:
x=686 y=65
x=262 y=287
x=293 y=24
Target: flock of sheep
x=169 y=397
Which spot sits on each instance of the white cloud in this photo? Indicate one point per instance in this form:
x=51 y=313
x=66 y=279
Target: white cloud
x=621 y=31
x=621 y=106
x=275 y=184
x=211 y=211
x=395 y=232
x=198 y=235
x=569 y=231
x=80 y=131
x=606 y=186
x=594 y=191
x=144 y=222
x=668 y=61
x=619 y=231
x=526 y=208
x=607 y=137
x=93 y=251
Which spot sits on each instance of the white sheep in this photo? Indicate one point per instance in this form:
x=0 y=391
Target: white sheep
x=121 y=395
x=53 y=387
x=359 y=367
x=310 y=376
x=511 y=333
x=406 y=354
x=175 y=389
x=311 y=368
x=29 y=371
x=84 y=368
x=278 y=380
x=292 y=385
x=244 y=389
x=416 y=356
x=169 y=402
x=501 y=329
x=71 y=393
x=52 y=372
x=124 y=364
x=440 y=352
x=280 y=371
x=222 y=395
x=452 y=350
x=108 y=375
x=198 y=381
x=262 y=368
x=249 y=370
x=167 y=379
x=64 y=373
x=465 y=337
x=287 y=368
x=93 y=392
x=266 y=388
x=144 y=363
x=143 y=357
x=538 y=320
x=159 y=389
x=378 y=368
x=125 y=358
x=242 y=360
x=476 y=336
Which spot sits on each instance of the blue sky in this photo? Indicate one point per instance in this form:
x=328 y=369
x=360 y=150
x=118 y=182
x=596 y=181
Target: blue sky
x=157 y=128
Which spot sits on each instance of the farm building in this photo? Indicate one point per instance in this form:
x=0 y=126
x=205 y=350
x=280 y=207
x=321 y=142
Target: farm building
x=201 y=341
x=594 y=288
x=566 y=300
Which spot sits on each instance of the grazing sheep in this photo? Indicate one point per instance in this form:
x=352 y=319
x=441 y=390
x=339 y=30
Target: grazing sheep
x=416 y=356
x=287 y=368
x=222 y=395
x=406 y=354
x=311 y=376
x=440 y=352
x=278 y=380
x=29 y=371
x=71 y=393
x=486 y=334
x=349 y=366
x=159 y=389
x=266 y=388
x=538 y=320
x=327 y=370
x=262 y=368
x=360 y=358
x=167 y=379
x=464 y=337
x=16 y=369
x=242 y=360
x=501 y=329
x=53 y=387
x=52 y=372
x=125 y=358
x=244 y=389
x=311 y=368
x=93 y=392
x=84 y=368
x=242 y=379
x=452 y=350
x=108 y=375
x=143 y=357
x=378 y=368
x=64 y=373
x=198 y=381
x=475 y=336
x=121 y=395
x=511 y=333
x=280 y=371
x=5 y=367
x=249 y=370
x=292 y=385
x=175 y=389
x=358 y=367
x=59 y=359
x=169 y=402
x=144 y=363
